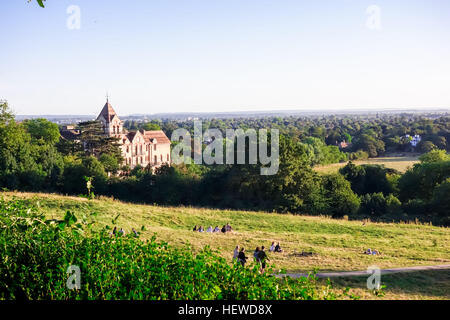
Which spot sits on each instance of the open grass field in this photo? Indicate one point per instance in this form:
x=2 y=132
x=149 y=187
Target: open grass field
x=338 y=244
x=400 y=163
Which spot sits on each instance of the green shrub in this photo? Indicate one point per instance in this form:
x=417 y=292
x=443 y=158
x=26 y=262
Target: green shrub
x=341 y=200
x=440 y=201
x=358 y=155
x=373 y=204
x=416 y=207
x=434 y=156
x=393 y=205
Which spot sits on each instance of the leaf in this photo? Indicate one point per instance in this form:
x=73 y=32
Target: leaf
x=115 y=219
x=40 y=2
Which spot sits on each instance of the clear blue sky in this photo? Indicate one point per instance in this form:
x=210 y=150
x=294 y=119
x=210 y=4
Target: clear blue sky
x=223 y=55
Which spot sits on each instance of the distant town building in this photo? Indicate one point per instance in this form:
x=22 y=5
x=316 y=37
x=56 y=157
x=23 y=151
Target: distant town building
x=70 y=133
x=414 y=140
x=343 y=145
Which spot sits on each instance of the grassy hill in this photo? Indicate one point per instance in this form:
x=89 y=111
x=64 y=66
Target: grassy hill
x=338 y=244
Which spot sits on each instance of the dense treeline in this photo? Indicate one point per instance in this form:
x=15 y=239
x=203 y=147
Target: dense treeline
x=371 y=134
x=32 y=157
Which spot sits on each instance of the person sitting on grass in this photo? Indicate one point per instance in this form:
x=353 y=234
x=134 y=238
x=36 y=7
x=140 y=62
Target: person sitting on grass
x=200 y=229
x=241 y=257
x=216 y=229
x=278 y=248
x=224 y=229
x=195 y=228
x=210 y=229
x=272 y=247
x=262 y=259
x=228 y=228
x=371 y=252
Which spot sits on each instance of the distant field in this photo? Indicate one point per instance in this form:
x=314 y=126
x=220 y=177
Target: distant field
x=400 y=163
x=338 y=244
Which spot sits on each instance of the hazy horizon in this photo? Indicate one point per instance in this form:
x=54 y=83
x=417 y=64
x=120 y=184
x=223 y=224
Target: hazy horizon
x=224 y=56
x=280 y=112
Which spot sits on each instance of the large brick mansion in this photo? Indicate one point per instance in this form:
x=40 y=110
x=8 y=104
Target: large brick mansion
x=138 y=147
x=144 y=148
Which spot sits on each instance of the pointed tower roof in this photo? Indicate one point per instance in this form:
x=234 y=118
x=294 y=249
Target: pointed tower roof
x=107 y=112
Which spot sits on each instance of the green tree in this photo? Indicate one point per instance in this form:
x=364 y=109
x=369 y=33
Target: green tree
x=370 y=144
x=434 y=156
x=42 y=129
x=440 y=199
x=109 y=162
x=369 y=178
x=420 y=181
x=393 y=205
x=347 y=137
x=426 y=146
x=16 y=152
x=97 y=143
x=40 y=2
x=374 y=204
x=149 y=126
x=92 y=136
x=296 y=187
x=77 y=169
x=339 y=196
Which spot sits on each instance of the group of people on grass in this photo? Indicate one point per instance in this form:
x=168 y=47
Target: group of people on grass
x=275 y=247
x=259 y=255
x=371 y=252
x=121 y=232
x=226 y=228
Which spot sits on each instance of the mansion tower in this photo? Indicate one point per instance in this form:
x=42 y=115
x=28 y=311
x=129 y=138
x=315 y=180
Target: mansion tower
x=144 y=148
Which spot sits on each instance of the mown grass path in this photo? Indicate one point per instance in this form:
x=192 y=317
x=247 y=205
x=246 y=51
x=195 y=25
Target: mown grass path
x=364 y=273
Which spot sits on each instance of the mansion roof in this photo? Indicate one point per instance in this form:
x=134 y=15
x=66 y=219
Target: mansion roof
x=153 y=137
x=159 y=135
x=107 y=112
